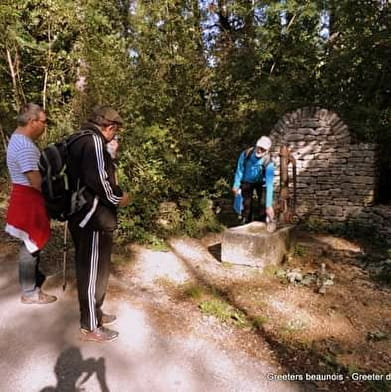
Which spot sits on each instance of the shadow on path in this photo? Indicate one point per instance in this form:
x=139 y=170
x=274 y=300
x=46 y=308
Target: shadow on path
x=72 y=371
x=215 y=251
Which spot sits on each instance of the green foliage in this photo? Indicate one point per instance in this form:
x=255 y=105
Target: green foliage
x=196 y=82
x=357 y=63
x=154 y=168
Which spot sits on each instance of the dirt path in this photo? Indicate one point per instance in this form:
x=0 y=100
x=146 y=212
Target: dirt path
x=165 y=344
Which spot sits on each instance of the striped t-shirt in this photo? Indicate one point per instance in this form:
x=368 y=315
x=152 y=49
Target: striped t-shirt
x=22 y=156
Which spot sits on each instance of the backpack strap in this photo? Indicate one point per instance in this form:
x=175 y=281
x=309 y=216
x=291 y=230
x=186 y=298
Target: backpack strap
x=71 y=140
x=247 y=153
x=76 y=136
x=265 y=161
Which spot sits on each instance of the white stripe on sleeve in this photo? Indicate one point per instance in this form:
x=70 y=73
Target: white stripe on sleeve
x=102 y=171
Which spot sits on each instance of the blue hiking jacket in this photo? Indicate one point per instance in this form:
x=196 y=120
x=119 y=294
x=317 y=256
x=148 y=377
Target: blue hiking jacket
x=252 y=170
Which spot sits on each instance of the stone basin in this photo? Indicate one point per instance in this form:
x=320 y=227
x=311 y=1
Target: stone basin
x=253 y=245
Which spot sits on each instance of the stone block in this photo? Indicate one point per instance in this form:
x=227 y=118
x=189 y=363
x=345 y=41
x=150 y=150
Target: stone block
x=365 y=180
x=310 y=123
x=294 y=137
x=252 y=245
x=332 y=211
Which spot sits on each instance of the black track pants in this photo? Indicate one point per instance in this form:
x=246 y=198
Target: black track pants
x=93 y=256
x=247 y=193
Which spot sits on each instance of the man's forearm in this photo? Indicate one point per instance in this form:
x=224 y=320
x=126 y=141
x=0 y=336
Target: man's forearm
x=35 y=179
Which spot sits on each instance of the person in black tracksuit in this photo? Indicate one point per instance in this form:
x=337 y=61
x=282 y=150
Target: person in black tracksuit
x=92 y=169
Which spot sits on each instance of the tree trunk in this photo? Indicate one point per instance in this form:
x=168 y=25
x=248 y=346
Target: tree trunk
x=14 y=79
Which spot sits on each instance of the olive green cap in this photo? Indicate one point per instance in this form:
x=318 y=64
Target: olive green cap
x=105 y=115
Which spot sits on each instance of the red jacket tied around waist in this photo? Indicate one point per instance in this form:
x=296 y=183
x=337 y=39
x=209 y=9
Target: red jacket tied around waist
x=27 y=218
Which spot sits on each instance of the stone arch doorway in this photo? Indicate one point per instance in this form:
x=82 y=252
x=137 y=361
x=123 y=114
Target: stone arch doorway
x=336 y=177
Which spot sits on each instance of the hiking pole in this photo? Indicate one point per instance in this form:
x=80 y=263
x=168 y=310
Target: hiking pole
x=64 y=260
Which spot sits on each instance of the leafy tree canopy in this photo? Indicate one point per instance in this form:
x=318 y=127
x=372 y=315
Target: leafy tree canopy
x=196 y=81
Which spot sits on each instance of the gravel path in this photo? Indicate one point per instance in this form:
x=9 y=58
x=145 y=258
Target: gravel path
x=163 y=345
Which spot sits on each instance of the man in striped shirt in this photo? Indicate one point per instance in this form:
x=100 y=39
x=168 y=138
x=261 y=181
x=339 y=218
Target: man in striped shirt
x=91 y=167
x=26 y=215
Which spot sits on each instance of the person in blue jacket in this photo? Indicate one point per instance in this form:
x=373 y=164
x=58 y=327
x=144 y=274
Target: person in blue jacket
x=255 y=171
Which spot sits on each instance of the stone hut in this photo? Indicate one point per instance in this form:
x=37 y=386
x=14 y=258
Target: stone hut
x=336 y=177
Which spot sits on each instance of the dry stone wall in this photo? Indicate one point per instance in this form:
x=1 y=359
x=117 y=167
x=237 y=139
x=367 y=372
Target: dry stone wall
x=336 y=178
x=377 y=217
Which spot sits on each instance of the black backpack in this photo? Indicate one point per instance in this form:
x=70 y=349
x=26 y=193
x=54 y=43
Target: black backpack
x=60 y=200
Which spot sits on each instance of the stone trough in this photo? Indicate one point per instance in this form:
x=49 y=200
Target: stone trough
x=252 y=245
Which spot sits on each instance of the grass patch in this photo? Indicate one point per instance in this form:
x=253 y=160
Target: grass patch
x=158 y=245
x=118 y=259
x=299 y=251
x=211 y=303
x=195 y=292
x=293 y=326
x=371 y=386
x=223 y=312
x=259 y=321
x=379 y=386
x=270 y=270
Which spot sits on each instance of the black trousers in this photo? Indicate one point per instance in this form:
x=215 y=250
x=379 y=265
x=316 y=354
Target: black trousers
x=93 y=258
x=247 y=193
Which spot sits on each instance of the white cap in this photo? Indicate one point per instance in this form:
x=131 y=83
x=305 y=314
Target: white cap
x=264 y=142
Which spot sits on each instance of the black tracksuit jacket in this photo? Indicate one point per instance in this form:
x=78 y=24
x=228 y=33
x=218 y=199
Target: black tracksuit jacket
x=91 y=165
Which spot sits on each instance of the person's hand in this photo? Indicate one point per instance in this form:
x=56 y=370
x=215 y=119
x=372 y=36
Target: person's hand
x=112 y=148
x=235 y=191
x=125 y=200
x=270 y=212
